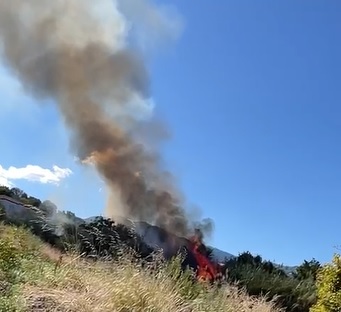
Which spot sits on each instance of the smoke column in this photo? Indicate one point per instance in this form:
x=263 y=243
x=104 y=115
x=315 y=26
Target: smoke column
x=74 y=53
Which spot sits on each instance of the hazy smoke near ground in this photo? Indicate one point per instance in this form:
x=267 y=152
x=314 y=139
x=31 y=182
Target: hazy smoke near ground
x=75 y=52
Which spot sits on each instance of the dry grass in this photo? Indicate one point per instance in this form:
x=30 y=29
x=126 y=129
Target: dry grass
x=49 y=284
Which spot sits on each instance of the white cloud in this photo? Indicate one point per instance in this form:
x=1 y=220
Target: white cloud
x=33 y=173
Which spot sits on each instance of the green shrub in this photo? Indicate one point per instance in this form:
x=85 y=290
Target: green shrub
x=9 y=256
x=329 y=287
x=260 y=277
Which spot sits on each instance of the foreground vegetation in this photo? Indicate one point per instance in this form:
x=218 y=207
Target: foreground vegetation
x=70 y=265
x=36 y=277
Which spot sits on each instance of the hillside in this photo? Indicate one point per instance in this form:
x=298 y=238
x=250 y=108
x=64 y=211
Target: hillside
x=36 y=277
x=151 y=235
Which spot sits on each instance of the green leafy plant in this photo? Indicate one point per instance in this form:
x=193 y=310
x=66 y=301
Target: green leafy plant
x=329 y=287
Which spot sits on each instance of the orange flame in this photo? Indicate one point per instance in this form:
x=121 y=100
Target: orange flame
x=206 y=270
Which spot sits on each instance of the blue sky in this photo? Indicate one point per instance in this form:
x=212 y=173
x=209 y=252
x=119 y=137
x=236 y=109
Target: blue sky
x=251 y=94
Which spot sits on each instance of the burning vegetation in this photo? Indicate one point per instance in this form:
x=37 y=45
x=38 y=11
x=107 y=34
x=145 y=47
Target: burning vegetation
x=194 y=252
x=206 y=270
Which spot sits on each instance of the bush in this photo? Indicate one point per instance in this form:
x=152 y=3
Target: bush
x=329 y=287
x=262 y=278
x=9 y=256
x=16 y=245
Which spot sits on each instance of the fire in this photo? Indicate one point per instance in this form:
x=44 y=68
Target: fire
x=206 y=270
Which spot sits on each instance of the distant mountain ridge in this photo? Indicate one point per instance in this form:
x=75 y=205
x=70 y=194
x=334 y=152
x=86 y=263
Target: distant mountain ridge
x=220 y=255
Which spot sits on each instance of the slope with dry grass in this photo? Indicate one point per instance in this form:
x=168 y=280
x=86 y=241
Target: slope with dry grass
x=36 y=277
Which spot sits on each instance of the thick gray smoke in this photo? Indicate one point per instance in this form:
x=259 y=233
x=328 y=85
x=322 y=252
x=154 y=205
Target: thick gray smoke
x=75 y=53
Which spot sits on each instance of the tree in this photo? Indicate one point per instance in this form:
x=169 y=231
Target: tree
x=17 y=193
x=248 y=258
x=308 y=269
x=4 y=190
x=329 y=287
x=261 y=277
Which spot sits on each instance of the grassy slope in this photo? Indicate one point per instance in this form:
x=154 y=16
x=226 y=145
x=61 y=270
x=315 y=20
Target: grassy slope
x=34 y=277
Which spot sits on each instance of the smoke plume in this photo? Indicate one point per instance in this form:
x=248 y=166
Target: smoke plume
x=75 y=53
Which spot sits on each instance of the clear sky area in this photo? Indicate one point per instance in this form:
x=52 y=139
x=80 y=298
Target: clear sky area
x=250 y=91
